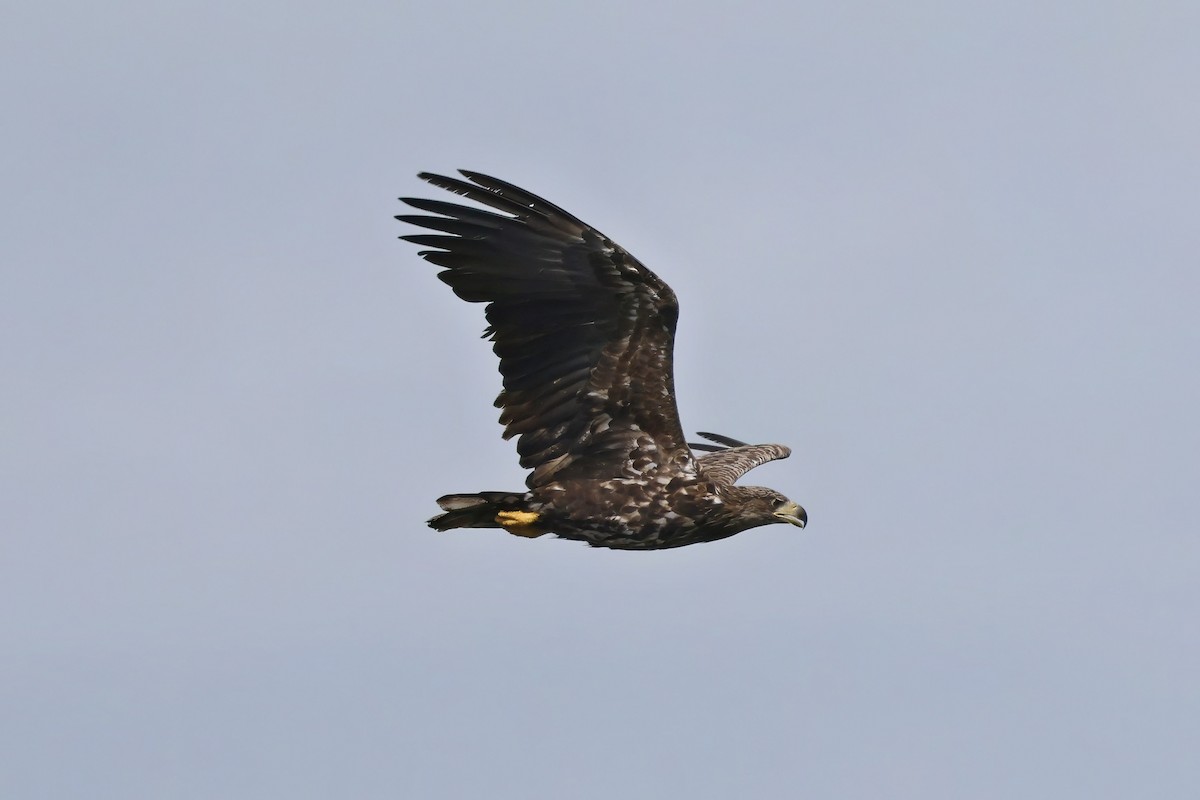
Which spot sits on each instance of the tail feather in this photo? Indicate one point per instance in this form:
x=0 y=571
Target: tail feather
x=474 y=510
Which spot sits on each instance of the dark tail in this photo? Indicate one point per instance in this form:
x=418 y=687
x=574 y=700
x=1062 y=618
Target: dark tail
x=474 y=510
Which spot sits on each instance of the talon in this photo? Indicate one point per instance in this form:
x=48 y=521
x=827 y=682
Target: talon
x=520 y=523
x=507 y=518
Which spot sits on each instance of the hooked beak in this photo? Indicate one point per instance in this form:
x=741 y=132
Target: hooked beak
x=792 y=513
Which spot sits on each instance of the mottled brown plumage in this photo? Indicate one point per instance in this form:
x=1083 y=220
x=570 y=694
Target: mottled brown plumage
x=585 y=335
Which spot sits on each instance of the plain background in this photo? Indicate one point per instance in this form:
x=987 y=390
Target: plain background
x=948 y=252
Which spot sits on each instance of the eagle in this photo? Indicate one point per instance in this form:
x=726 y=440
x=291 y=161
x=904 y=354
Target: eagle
x=585 y=336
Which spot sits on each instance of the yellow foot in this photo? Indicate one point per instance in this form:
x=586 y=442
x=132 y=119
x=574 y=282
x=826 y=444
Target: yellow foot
x=519 y=523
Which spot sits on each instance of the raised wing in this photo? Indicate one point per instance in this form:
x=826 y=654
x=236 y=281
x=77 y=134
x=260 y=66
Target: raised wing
x=584 y=332
x=730 y=459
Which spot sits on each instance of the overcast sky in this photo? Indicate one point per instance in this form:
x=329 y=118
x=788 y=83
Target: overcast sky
x=948 y=252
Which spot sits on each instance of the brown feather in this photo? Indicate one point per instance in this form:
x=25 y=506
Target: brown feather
x=583 y=330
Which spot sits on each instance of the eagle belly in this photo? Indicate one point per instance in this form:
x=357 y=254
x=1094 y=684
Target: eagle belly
x=648 y=512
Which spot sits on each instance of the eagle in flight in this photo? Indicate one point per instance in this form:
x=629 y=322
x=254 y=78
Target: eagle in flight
x=585 y=334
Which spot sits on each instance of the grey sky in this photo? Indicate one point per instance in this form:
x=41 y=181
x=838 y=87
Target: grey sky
x=947 y=252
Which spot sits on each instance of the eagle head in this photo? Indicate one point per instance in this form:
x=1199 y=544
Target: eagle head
x=751 y=506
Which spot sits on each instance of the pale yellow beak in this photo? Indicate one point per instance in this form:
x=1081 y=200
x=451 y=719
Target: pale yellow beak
x=793 y=513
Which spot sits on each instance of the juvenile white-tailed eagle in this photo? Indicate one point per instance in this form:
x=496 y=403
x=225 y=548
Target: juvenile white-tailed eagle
x=585 y=333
